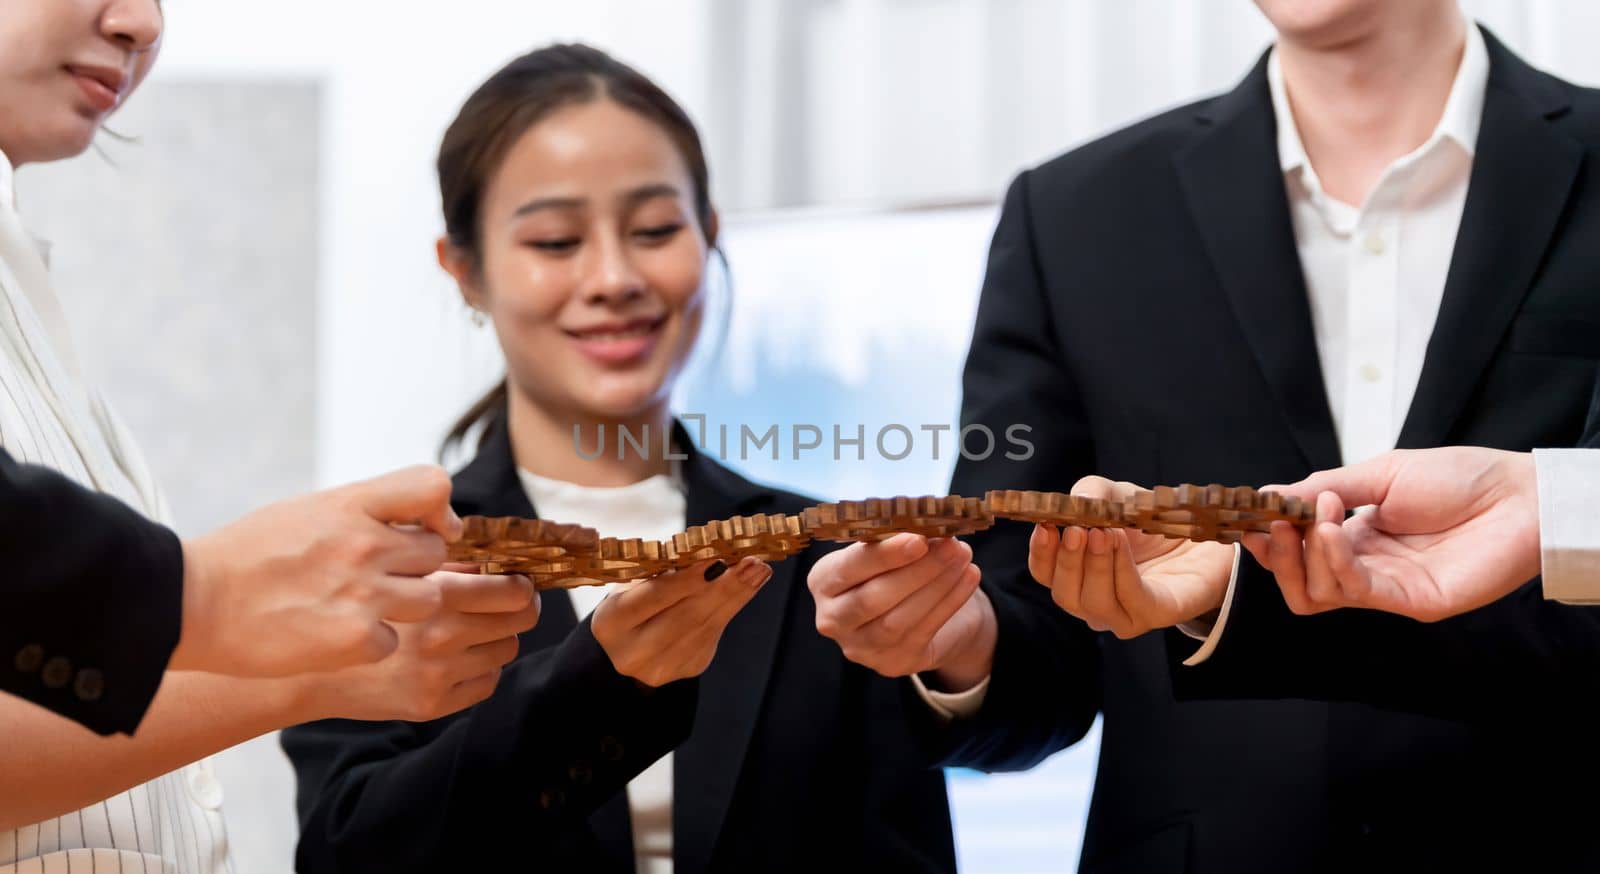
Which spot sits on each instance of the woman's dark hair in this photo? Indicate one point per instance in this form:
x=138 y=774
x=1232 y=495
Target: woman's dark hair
x=514 y=99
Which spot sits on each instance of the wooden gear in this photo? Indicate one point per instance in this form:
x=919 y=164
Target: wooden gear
x=770 y=537
x=615 y=560
x=536 y=547
x=1212 y=512
x=881 y=518
x=1054 y=508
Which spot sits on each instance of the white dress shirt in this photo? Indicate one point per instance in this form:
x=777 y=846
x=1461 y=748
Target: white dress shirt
x=1569 y=526
x=652 y=509
x=50 y=417
x=1375 y=273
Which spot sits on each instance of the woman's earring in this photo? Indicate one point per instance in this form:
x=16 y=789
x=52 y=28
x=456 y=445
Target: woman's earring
x=477 y=317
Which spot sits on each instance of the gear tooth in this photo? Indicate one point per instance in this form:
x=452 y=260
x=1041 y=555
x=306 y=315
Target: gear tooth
x=1293 y=507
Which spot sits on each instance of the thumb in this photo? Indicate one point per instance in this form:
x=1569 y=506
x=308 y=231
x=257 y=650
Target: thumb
x=1105 y=489
x=1357 y=485
x=844 y=569
x=413 y=495
x=1259 y=546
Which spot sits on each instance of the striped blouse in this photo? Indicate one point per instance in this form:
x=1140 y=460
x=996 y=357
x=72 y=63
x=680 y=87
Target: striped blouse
x=49 y=416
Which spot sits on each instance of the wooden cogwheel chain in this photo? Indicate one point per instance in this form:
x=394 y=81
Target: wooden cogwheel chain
x=566 y=556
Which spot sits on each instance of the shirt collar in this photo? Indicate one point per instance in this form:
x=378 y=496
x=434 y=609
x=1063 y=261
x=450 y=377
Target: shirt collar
x=1463 y=109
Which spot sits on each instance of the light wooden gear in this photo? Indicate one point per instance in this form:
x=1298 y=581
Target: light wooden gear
x=769 y=537
x=1054 y=508
x=536 y=547
x=617 y=560
x=881 y=518
x=1212 y=512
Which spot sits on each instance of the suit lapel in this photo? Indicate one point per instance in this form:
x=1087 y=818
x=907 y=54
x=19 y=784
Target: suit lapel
x=707 y=766
x=1522 y=174
x=1234 y=188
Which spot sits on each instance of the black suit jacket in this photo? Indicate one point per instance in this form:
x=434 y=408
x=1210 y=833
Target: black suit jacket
x=1145 y=312
x=91 y=603
x=787 y=756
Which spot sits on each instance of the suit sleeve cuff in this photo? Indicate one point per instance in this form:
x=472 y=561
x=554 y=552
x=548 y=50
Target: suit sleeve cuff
x=1208 y=631
x=952 y=705
x=1569 y=539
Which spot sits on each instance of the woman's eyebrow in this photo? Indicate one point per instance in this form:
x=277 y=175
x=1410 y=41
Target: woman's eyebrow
x=629 y=198
x=542 y=203
x=647 y=192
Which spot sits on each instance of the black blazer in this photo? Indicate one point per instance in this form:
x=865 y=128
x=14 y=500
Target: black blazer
x=91 y=602
x=1145 y=312
x=787 y=756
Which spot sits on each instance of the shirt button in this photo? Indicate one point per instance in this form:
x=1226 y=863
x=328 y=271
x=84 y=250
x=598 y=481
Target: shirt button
x=1370 y=372
x=57 y=673
x=611 y=748
x=580 y=773
x=204 y=787
x=90 y=685
x=29 y=659
x=1374 y=243
x=552 y=799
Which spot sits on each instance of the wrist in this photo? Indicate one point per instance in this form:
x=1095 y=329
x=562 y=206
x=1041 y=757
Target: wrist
x=972 y=660
x=191 y=653
x=312 y=696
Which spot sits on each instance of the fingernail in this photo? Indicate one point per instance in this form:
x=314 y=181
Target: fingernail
x=761 y=578
x=717 y=569
x=1099 y=544
x=1074 y=538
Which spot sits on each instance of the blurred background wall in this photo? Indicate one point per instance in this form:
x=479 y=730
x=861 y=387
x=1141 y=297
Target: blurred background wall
x=253 y=277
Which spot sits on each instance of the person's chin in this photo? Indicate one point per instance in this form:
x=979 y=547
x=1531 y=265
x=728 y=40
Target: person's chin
x=71 y=138
x=622 y=397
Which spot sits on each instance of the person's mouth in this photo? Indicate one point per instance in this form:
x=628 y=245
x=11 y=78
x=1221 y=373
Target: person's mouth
x=618 y=342
x=103 y=86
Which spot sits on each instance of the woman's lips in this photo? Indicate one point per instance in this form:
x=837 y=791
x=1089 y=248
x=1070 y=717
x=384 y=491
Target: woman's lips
x=102 y=88
x=619 y=344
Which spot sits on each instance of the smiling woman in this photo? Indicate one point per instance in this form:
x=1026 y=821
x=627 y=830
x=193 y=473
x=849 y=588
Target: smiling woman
x=703 y=723
x=533 y=212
